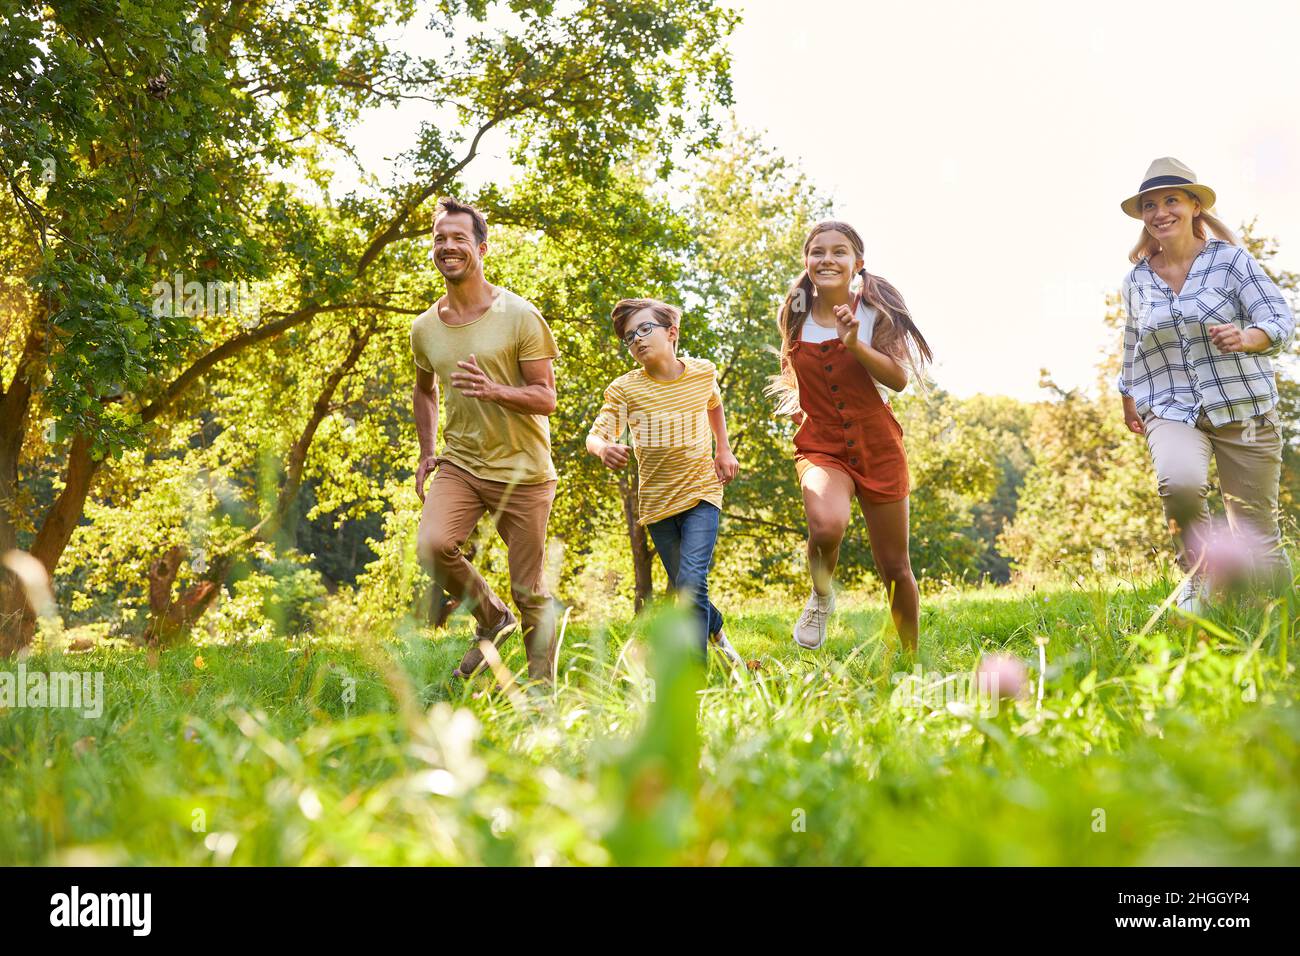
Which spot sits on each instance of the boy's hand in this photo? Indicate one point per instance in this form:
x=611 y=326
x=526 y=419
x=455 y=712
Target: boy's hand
x=725 y=465
x=614 y=456
x=846 y=325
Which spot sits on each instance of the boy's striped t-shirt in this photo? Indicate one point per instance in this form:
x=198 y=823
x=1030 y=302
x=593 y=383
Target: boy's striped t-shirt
x=668 y=423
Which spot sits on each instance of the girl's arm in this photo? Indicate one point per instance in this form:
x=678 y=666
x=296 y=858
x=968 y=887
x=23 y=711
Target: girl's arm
x=885 y=369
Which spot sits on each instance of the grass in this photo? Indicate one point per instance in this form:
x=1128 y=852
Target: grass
x=1162 y=741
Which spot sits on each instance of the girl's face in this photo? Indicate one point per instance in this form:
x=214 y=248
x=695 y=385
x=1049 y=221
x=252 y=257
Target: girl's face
x=657 y=345
x=831 y=261
x=1168 y=214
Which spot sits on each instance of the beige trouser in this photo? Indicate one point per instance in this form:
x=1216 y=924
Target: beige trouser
x=453 y=505
x=1249 y=456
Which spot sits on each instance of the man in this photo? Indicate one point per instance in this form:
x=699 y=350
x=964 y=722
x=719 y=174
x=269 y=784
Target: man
x=496 y=351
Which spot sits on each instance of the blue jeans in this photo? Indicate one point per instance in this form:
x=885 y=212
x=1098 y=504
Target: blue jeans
x=685 y=544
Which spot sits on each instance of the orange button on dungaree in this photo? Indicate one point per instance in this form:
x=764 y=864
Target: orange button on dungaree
x=847 y=426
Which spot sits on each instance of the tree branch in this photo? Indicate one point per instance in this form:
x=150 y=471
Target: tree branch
x=233 y=346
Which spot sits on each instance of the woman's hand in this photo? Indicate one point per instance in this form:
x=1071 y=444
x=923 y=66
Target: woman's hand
x=1229 y=338
x=1131 y=417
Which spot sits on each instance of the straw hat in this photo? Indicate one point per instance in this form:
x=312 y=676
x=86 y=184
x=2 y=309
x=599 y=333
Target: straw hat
x=1164 y=173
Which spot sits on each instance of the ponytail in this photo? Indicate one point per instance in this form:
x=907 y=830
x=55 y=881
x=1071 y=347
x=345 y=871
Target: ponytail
x=794 y=310
x=898 y=337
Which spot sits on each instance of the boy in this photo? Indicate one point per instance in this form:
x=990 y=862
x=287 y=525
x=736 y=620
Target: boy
x=670 y=406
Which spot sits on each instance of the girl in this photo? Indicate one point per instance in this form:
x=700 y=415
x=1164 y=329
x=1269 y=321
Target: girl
x=839 y=351
x=1202 y=321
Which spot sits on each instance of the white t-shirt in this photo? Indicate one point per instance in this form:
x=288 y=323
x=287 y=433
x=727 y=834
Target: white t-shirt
x=816 y=334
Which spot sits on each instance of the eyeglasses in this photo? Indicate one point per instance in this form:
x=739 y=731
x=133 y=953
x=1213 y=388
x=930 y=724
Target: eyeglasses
x=641 y=331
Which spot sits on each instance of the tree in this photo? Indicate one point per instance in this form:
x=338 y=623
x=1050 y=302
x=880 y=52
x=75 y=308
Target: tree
x=171 y=139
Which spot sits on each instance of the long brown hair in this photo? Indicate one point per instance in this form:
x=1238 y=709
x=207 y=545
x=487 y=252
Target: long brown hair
x=898 y=337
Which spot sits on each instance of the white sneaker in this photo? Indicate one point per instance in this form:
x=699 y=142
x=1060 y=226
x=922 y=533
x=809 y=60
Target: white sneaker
x=720 y=641
x=810 y=629
x=1191 y=596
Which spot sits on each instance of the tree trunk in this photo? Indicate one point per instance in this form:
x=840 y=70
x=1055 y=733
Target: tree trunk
x=17 y=622
x=171 y=621
x=64 y=515
x=642 y=556
x=288 y=496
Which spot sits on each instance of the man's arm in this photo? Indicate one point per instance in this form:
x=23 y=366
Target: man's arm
x=424 y=400
x=535 y=397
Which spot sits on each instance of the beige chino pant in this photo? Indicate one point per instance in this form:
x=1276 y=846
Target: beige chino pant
x=1249 y=457
x=453 y=505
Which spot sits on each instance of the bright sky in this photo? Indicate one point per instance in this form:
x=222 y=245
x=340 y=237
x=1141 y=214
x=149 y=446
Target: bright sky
x=982 y=150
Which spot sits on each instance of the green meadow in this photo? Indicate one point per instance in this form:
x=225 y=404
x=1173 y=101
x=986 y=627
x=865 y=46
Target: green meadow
x=1148 y=738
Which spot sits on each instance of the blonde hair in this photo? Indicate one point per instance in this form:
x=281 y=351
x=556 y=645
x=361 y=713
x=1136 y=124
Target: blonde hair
x=898 y=336
x=1148 y=245
x=664 y=313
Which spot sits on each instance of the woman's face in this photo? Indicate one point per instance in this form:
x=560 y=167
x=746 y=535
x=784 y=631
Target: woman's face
x=1168 y=213
x=831 y=261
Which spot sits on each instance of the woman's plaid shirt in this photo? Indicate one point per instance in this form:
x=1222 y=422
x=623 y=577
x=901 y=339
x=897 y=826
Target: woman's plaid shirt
x=1171 y=366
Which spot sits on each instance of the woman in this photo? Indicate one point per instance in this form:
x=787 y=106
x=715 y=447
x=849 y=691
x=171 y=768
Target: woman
x=839 y=351
x=1203 y=320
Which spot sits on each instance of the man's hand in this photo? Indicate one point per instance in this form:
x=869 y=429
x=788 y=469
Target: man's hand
x=725 y=465
x=614 y=456
x=473 y=381
x=1131 y=417
x=426 y=466
x=846 y=325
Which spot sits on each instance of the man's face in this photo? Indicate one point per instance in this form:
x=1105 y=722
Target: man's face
x=455 y=253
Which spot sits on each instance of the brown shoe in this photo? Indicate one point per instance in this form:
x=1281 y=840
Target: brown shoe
x=472 y=662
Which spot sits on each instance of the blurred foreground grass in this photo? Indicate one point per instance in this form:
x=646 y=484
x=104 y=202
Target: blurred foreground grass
x=1173 y=743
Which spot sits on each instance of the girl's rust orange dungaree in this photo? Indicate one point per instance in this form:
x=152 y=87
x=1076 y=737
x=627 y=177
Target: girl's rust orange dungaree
x=847 y=426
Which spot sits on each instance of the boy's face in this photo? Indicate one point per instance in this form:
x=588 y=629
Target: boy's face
x=658 y=344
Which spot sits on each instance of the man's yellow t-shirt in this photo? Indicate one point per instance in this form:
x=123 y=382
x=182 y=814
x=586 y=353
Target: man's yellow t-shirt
x=487 y=440
x=669 y=426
